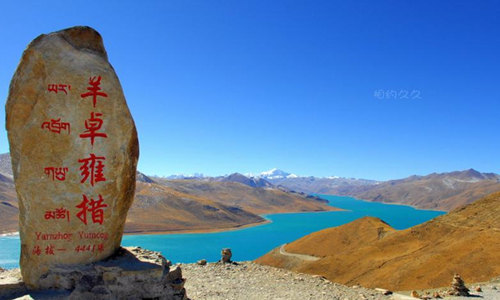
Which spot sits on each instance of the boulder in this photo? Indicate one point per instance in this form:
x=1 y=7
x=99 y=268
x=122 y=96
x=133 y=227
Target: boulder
x=74 y=151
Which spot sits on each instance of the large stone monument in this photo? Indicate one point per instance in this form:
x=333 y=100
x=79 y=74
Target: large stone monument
x=74 y=152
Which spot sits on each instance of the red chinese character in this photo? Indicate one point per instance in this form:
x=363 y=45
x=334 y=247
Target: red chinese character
x=92 y=168
x=49 y=250
x=93 y=125
x=94 y=207
x=36 y=250
x=94 y=89
x=100 y=247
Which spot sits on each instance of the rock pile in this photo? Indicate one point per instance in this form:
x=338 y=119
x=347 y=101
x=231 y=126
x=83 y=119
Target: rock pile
x=131 y=273
x=458 y=287
x=226 y=255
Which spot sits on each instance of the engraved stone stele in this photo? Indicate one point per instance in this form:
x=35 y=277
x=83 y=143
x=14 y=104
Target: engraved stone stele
x=74 y=152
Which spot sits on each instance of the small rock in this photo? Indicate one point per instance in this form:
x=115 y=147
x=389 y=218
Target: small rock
x=478 y=289
x=414 y=294
x=436 y=295
x=202 y=262
x=384 y=291
x=226 y=255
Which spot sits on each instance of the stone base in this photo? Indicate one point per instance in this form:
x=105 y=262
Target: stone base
x=132 y=273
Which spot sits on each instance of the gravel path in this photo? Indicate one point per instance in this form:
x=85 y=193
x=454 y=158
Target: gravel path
x=301 y=256
x=251 y=281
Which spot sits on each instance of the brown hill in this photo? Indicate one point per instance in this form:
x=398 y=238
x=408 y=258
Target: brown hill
x=441 y=191
x=369 y=253
x=181 y=207
x=159 y=208
x=9 y=210
x=250 y=181
x=255 y=200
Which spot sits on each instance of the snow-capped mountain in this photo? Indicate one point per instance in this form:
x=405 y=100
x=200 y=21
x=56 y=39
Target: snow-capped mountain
x=276 y=174
x=184 y=176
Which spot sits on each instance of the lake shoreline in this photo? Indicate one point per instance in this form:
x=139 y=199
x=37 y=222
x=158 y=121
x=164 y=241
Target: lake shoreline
x=234 y=228
x=384 y=202
x=208 y=230
x=186 y=231
x=249 y=241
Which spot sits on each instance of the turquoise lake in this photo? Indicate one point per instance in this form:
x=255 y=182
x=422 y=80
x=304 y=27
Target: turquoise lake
x=252 y=242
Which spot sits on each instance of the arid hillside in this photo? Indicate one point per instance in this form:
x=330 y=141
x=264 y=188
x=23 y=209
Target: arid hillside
x=157 y=208
x=8 y=205
x=181 y=206
x=189 y=205
x=255 y=200
x=444 y=191
x=440 y=191
x=370 y=253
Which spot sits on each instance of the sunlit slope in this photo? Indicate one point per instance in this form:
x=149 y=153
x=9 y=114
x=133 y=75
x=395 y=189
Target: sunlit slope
x=368 y=252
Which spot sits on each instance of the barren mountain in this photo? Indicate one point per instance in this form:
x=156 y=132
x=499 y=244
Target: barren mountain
x=441 y=191
x=255 y=200
x=5 y=164
x=182 y=205
x=444 y=191
x=323 y=185
x=250 y=181
x=8 y=205
x=158 y=208
x=370 y=253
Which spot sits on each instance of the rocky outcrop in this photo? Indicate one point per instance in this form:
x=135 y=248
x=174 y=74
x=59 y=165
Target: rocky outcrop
x=74 y=152
x=131 y=273
x=458 y=287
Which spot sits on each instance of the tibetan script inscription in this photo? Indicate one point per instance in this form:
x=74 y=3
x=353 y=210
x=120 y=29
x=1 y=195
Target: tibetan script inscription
x=57 y=126
x=56 y=88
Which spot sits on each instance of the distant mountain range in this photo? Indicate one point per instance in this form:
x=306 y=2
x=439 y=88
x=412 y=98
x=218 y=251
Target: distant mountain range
x=440 y=191
x=370 y=253
x=199 y=202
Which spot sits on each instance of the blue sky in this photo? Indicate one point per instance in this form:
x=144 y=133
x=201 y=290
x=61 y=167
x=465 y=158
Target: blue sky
x=370 y=89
